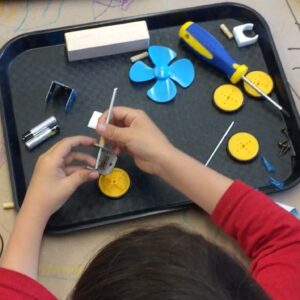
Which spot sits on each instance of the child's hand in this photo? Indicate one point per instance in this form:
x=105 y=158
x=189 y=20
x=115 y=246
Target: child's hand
x=133 y=131
x=54 y=179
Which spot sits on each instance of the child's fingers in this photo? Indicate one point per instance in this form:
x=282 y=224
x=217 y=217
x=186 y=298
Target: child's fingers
x=114 y=133
x=121 y=116
x=117 y=150
x=65 y=146
x=80 y=176
x=79 y=156
x=115 y=147
x=69 y=170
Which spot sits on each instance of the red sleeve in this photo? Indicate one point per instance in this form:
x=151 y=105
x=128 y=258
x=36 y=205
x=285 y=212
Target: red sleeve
x=269 y=235
x=17 y=286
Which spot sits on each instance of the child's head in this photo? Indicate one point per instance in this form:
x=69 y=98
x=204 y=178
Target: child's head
x=165 y=263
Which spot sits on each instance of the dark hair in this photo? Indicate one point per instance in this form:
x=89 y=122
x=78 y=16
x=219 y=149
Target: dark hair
x=165 y=263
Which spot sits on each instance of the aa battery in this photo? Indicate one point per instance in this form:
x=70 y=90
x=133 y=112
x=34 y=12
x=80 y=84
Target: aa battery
x=30 y=134
x=41 y=137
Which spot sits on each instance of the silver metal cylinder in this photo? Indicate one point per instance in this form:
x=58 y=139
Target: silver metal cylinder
x=50 y=122
x=41 y=137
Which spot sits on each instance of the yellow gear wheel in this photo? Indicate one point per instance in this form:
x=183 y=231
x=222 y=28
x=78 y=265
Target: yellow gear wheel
x=228 y=98
x=262 y=80
x=115 y=184
x=243 y=146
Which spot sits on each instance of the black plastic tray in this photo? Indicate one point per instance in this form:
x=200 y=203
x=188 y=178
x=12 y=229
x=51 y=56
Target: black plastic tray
x=30 y=62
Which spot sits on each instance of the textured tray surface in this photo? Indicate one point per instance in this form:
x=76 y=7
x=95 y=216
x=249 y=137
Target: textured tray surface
x=191 y=122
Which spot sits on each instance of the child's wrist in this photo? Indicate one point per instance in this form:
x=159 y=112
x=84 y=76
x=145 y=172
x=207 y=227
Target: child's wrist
x=32 y=211
x=164 y=160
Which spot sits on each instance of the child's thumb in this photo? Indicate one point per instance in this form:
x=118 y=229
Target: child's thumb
x=81 y=176
x=113 y=133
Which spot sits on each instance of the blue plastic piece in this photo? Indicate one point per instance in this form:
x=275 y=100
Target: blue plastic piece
x=164 y=90
x=182 y=71
x=160 y=55
x=268 y=166
x=140 y=72
x=277 y=183
x=61 y=92
x=70 y=100
x=295 y=213
x=158 y=91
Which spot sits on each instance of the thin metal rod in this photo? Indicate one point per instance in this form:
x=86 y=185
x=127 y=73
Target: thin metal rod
x=266 y=96
x=262 y=93
x=219 y=144
x=111 y=105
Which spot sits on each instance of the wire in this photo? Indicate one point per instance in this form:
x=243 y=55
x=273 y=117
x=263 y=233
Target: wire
x=294 y=91
x=292 y=12
x=298 y=25
x=2 y=245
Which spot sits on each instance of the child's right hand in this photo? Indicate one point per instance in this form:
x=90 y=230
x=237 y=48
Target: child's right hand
x=133 y=131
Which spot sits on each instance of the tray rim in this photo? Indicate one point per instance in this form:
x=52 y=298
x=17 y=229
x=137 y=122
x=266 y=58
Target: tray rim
x=228 y=5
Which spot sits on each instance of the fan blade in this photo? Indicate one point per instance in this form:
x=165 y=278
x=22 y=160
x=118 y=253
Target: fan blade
x=140 y=72
x=163 y=91
x=160 y=55
x=182 y=71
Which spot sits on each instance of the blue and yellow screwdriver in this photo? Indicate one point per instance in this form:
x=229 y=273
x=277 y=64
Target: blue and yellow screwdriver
x=211 y=51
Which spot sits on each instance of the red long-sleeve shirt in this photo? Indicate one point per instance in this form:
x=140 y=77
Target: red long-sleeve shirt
x=269 y=235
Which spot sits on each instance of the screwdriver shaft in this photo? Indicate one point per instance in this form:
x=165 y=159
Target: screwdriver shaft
x=257 y=89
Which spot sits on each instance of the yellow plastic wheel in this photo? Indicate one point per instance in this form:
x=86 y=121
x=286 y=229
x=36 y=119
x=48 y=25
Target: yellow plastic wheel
x=243 y=146
x=115 y=184
x=228 y=98
x=262 y=80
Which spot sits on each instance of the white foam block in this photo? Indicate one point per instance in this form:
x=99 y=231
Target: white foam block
x=94 y=119
x=107 y=40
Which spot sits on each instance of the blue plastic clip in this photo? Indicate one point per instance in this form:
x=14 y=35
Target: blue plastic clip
x=277 y=183
x=294 y=212
x=268 y=166
x=62 y=92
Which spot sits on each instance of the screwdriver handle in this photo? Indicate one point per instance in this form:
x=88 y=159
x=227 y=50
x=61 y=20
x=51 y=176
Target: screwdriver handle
x=204 y=45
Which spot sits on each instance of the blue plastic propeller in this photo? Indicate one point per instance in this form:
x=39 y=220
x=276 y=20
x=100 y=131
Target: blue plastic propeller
x=164 y=90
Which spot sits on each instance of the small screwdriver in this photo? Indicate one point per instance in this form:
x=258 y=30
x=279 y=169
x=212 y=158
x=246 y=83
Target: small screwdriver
x=211 y=51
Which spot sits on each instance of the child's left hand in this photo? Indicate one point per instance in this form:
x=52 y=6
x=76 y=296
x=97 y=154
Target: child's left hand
x=54 y=180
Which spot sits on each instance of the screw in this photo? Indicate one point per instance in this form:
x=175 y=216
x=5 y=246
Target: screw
x=285 y=150
x=281 y=151
x=285 y=132
x=282 y=144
